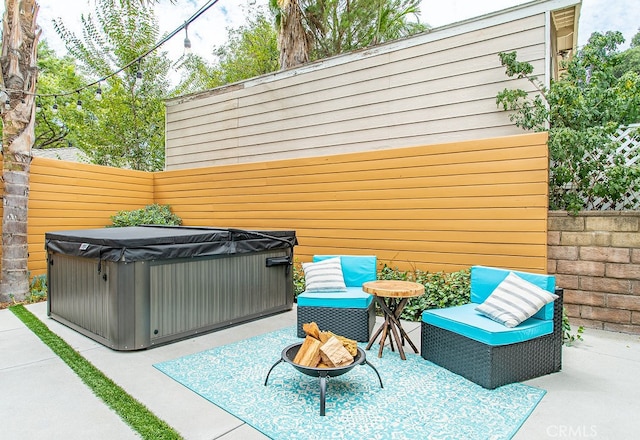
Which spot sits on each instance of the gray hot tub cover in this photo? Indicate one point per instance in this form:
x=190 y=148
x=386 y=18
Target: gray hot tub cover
x=145 y=243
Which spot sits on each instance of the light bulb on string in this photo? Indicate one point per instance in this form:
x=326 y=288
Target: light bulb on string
x=7 y=105
x=98 y=96
x=38 y=106
x=54 y=109
x=187 y=41
x=138 y=81
x=79 y=105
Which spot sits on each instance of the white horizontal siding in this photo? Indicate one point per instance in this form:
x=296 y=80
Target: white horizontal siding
x=438 y=91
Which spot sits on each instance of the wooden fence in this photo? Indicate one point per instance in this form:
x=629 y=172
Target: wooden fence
x=437 y=208
x=68 y=195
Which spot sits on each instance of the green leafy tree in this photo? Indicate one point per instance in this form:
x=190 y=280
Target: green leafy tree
x=630 y=58
x=581 y=111
x=324 y=28
x=127 y=129
x=63 y=126
x=251 y=50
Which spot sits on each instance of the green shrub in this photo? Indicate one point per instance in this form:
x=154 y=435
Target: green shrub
x=441 y=289
x=37 y=289
x=298 y=279
x=149 y=215
x=568 y=338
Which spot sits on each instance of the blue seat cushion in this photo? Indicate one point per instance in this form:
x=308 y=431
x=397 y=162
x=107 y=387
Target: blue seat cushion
x=356 y=269
x=466 y=321
x=353 y=298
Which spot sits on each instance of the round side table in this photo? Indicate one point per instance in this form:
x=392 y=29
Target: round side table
x=392 y=297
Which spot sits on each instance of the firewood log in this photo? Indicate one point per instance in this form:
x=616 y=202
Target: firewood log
x=349 y=344
x=324 y=336
x=334 y=353
x=309 y=353
x=311 y=329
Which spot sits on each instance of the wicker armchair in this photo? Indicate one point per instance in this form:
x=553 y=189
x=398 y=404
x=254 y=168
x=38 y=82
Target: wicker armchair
x=495 y=364
x=350 y=314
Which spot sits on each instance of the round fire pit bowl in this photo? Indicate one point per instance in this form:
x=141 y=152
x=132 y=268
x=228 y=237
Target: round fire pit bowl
x=289 y=353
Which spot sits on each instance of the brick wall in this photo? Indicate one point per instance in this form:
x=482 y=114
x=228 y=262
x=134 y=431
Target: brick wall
x=596 y=259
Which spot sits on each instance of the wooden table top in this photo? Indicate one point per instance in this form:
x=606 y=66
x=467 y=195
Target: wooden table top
x=393 y=288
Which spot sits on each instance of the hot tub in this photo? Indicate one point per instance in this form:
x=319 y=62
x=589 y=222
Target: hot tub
x=136 y=287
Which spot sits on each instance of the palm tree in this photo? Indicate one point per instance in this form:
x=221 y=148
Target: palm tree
x=314 y=29
x=294 y=41
x=19 y=76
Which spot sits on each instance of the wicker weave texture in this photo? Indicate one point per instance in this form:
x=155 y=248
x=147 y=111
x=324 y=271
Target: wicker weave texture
x=494 y=366
x=354 y=324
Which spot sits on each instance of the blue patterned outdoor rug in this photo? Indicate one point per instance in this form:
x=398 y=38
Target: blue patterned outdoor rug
x=419 y=400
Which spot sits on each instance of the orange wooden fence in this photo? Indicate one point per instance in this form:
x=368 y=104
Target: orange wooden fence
x=437 y=207
x=68 y=195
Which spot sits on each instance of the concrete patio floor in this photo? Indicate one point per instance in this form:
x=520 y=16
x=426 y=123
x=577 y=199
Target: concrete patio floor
x=595 y=395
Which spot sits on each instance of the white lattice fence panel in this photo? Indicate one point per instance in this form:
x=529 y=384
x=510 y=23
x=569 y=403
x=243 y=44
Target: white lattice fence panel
x=629 y=147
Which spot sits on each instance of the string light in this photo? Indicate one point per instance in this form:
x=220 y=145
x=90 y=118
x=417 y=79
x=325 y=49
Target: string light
x=38 y=106
x=138 y=81
x=98 y=96
x=7 y=105
x=54 y=109
x=79 y=105
x=187 y=42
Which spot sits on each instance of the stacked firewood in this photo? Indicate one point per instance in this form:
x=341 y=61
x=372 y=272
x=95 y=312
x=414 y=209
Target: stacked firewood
x=323 y=349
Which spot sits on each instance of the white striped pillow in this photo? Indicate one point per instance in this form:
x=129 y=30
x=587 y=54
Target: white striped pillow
x=514 y=301
x=324 y=276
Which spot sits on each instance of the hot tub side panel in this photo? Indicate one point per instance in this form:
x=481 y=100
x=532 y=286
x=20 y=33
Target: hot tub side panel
x=102 y=300
x=188 y=297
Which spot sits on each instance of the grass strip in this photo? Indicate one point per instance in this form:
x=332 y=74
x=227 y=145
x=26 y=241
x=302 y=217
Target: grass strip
x=129 y=409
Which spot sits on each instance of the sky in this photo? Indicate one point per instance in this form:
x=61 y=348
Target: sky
x=210 y=29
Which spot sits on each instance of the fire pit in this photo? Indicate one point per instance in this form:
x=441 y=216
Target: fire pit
x=289 y=353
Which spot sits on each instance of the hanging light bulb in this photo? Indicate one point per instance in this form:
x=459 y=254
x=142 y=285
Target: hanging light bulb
x=54 y=109
x=79 y=105
x=98 y=96
x=138 y=81
x=38 y=106
x=7 y=105
x=187 y=42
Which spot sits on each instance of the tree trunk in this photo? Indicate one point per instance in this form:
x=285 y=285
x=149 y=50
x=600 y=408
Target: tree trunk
x=19 y=75
x=293 y=39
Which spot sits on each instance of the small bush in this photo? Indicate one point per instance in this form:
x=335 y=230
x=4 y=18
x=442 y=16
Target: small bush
x=441 y=289
x=568 y=338
x=149 y=215
x=298 y=279
x=38 y=289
